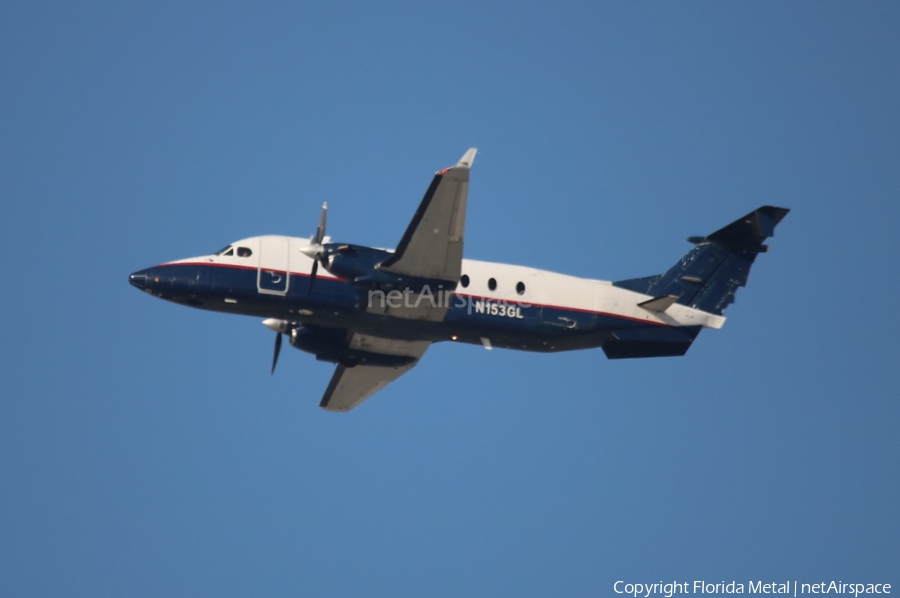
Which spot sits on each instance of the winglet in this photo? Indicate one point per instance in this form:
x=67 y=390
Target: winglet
x=467 y=159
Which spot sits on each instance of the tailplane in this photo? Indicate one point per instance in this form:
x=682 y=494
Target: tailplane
x=708 y=276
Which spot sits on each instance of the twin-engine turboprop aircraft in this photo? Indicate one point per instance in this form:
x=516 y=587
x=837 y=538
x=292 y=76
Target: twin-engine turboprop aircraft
x=374 y=312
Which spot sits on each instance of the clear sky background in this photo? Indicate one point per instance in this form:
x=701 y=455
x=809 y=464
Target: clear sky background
x=146 y=451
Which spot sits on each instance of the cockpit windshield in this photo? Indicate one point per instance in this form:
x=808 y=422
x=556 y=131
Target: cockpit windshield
x=227 y=250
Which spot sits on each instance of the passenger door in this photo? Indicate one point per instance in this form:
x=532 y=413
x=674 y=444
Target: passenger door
x=274 y=272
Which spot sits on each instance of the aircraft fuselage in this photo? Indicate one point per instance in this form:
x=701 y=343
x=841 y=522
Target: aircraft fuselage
x=495 y=305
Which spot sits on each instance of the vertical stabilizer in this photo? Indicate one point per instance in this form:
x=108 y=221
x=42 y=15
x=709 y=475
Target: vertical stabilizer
x=708 y=276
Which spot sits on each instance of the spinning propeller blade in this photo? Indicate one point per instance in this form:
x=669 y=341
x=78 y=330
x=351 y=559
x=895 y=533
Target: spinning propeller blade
x=279 y=327
x=320 y=231
x=277 y=350
x=312 y=277
x=315 y=250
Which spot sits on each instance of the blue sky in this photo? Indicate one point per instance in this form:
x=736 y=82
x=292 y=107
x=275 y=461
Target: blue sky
x=146 y=451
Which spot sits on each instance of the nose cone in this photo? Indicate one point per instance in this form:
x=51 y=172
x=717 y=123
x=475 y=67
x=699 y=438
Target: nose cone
x=139 y=279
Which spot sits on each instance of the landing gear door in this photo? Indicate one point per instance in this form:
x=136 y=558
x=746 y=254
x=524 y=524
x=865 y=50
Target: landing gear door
x=273 y=275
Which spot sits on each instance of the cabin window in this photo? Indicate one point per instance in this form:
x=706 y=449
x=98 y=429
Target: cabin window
x=464 y=281
x=492 y=284
x=244 y=252
x=520 y=288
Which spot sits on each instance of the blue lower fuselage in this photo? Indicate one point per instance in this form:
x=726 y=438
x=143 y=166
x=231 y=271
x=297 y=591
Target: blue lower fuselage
x=336 y=303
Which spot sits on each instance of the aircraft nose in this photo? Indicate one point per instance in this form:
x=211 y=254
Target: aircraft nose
x=139 y=280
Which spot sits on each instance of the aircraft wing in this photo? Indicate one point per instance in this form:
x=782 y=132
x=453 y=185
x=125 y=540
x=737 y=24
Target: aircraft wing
x=432 y=245
x=350 y=386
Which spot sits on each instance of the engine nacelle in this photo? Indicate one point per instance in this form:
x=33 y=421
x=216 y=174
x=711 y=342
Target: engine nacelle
x=333 y=345
x=318 y=341
x=351 y=262
x=359 y=265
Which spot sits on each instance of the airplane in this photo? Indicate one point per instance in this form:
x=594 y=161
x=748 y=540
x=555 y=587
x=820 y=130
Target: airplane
x=374 y=312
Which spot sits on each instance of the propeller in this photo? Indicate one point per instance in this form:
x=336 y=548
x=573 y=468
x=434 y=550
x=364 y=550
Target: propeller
x=277 y=351
x=280 y=327
x=315 y=250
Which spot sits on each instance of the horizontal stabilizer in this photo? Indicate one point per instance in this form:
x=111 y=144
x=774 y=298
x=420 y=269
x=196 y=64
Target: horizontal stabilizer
x=748 y=233
x=659 y=304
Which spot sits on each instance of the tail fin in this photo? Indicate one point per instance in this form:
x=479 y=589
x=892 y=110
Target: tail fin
x=707 y=277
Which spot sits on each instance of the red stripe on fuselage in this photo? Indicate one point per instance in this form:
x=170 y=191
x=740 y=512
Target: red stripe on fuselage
x=564 y=308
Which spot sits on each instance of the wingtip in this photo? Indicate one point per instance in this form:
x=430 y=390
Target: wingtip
x=468 y=158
